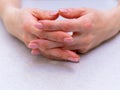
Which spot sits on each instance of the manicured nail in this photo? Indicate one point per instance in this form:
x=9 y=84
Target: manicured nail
x=35 y=52
x=39 y=25
x=74 y=59
x=68 y=39
x=64 y=10
x=53 y=13
x=33 y=46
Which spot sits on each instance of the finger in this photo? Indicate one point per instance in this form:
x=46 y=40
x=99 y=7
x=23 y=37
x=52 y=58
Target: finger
x=57 y=36
x=80 y=41
x=27 y=37
x=56 y=53
x=72 y=25
x=44 y=44
x=35 y=52
x=30 y=21
x=72 y=12
x=28 y=25
x=45 y=14
x=33 y=45
x=60 y=54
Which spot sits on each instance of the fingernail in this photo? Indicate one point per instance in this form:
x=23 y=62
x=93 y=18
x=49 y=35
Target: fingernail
x=64 y=10
x=68 y=39
x=35 y=52
x=39 y=26
x=33 y=46
x=53 y=13
x=74 y=59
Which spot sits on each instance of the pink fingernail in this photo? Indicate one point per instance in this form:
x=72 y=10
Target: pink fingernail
x=35 y=53
x=64 y=10
x=74 y=59
x=39 y=26
x=33 y=46
x=53 y=13
x=68 y=39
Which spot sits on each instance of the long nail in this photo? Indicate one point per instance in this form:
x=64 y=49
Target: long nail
x=73 y=59
x=35 y=52
x=68 y=39
x=64 y=10
x=39 y=25
x=53 y=13
x=33 y=46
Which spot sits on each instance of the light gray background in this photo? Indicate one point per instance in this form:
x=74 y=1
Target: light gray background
x=97 y=70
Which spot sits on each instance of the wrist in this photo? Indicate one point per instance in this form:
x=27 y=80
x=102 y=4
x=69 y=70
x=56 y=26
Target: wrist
x=5 y=4
x=10 y=17
x=5 y=12
x=118 y=12
x=114 y=18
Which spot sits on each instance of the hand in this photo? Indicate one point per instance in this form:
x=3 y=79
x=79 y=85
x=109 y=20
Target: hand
x=90 y=27
x=22 y=24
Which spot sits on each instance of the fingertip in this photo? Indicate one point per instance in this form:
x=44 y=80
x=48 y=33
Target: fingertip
x=35 y=52
x=54 y=15
x=45 y=14
x=62 y=10
x=73 y=57
x=39 y=25
x=75 y=60
x=68 y=40
x=71 y=12
x=33 y=46
x=65 y=13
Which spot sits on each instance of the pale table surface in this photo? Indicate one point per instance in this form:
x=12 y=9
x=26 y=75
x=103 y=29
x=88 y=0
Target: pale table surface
x=97 y=70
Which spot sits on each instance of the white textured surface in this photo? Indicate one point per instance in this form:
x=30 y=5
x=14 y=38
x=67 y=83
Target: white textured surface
x=98 y=69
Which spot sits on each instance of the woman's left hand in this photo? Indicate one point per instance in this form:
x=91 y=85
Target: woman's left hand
x=90 y=27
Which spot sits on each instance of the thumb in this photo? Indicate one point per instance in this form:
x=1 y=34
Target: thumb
x=71 y=13
x=45 y=14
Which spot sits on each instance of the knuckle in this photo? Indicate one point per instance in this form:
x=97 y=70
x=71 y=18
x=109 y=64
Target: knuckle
x=88 y=40
x=88 y=24
x=25 y=27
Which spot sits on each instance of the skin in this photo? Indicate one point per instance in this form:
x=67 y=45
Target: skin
x=24 y=23
x=90 y=27
x=45 y=35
